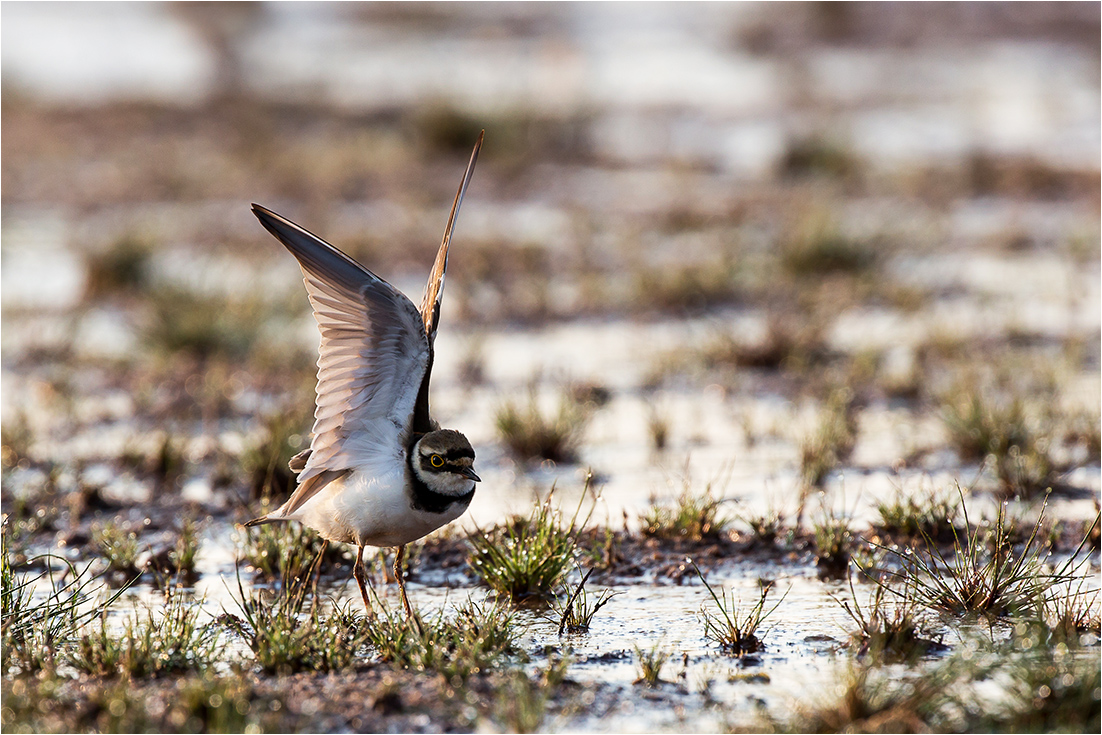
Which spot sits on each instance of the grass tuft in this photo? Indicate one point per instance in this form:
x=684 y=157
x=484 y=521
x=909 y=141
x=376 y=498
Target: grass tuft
x=650 y=663
x=765 y=527
x=264 y=462
x=1073 y=616
x=203 y=703
x=285 y=639
x=832 y=441
x=205 y=326
x=578 y=611
x=521 y=701
x=933 y=517
x=976 y=580
x=886 y=633
x=658 y=426
x=1047 y=692
x=160 y=645
x=16 y=438
x=686 y=289
x=695 y=517
x=36 y=626
x=531 y=435
x=479 y=637
x=524 y=559
x=982 y=427
x=121 y=269
x=875 y=699
x=119 y=549
x=817 y=246
x=282 y=550
x=184 y=552
x=833 y=543
x=735 y=630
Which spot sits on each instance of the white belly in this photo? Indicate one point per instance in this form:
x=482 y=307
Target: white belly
x=371 y=510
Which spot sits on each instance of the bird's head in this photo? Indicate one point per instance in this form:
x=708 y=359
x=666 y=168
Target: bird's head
x=444 y=461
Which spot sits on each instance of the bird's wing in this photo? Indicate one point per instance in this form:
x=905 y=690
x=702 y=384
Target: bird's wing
x=434 y=289
x=373 y=357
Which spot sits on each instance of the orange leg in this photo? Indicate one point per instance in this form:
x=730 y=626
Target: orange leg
x=398 y=575
x=358 y=574
x=317 y=570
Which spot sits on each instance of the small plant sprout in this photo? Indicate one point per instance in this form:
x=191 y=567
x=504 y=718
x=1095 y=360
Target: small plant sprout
x=885 y=632
x=833 y=538
x=525 y=558
x=650 y=663
x=734 y=630
x=765 y=527
x=579 y=610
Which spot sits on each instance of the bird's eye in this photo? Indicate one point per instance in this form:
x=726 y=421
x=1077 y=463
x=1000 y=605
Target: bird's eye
x=436 y=460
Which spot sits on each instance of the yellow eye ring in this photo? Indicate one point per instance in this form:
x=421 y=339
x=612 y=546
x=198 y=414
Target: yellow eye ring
x=436 y=460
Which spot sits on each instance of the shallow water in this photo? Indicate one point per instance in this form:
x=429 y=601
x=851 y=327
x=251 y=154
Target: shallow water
x=687 y=117
x=701 y=687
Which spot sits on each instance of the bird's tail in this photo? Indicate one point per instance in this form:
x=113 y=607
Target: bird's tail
x=263 y=520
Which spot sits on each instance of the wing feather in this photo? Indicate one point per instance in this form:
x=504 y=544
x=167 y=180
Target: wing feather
x=374 y=353
x=434 y=289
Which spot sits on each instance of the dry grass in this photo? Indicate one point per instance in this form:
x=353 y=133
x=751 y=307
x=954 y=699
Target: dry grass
x=530 y=434
x=831 y=443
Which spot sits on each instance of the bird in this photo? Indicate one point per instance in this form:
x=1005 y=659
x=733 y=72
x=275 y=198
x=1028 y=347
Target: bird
x=379 y=470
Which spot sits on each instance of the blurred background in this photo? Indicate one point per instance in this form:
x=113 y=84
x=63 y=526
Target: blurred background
x=695 y=229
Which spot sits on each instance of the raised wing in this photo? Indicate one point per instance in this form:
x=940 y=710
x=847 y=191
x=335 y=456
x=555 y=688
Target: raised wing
x=373 y=357
x=434 y=289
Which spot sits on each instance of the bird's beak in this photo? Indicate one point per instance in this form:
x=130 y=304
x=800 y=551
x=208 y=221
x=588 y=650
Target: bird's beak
x=469 y=472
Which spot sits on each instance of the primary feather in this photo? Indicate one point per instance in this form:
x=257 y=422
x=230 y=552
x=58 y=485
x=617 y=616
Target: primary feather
x=373 y=357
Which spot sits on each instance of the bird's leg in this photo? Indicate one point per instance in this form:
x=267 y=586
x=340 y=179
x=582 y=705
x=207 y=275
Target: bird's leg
x=401 y=551
x=317 y=571
x=401 y=579
x=358 y=573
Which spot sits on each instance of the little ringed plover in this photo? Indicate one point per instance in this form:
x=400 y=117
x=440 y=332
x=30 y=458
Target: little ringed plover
x=379 y=471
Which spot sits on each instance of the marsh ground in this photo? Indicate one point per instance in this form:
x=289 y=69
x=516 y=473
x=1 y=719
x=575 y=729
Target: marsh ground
x=781 y=313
